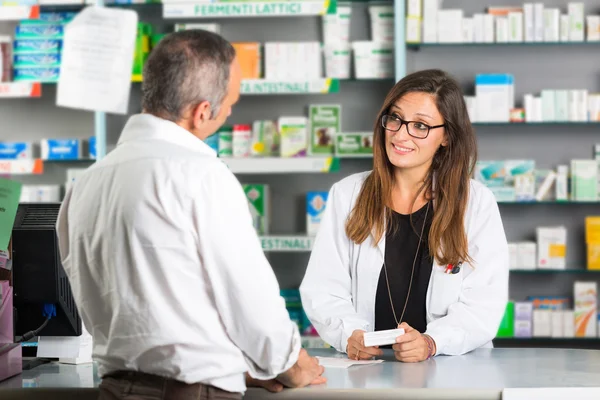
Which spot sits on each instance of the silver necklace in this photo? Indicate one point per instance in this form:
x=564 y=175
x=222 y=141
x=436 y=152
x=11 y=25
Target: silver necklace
x=412 y=273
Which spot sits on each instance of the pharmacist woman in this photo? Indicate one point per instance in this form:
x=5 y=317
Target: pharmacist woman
x=414 y=243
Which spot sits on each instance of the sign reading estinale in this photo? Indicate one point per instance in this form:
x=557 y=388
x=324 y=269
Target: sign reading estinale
x=286 y=243
x=10 y=194
x=265 y=86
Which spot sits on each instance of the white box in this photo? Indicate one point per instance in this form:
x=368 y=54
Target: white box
x=593 y=28
x=523 y=329
x=552 y=247
x=293 y=60
x=525 y=187
x=568 y=323
x=495 y=97
x=471 y=103
x=545 y=187
x=528 y=103
x=542 y=323
x=527 y=255
x=430 y=20
x=573 y=106
x=594 y=107
x=468 y=27
x=564 y=28
x=513 y=260
x=538 y=108
x=515 y=27
x=450 y=26
x=561 y=112
x=382 y=338
x=414 y=9
x=479 y=28
x=557 y=324
x=539 y=21
x=548 y=105
x=576 y=22
x=551 y=25
x=488 y=28
x=529 y=16
x=586 y=309
x=523 y=311
x=501 y=30
x=562 y=181
x=413 y=30
x=582 y=105
x=40 y=194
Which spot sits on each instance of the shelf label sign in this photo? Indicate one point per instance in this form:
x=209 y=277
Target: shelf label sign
x=292 y=87
x=249 y=9
x=286 y=243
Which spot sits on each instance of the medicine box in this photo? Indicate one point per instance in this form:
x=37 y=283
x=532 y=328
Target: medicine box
x=294 y=136
x=357 y=144
x=552 y=247
x=584 y=180
x=490 y=173
x=315 y=207
x=265 y=139
x=212 y=141
x=39 y=31
x=258 y=202
x=249 y=57
x=40 y=194
x=325 y=124
x=15 y=150
x=586 y=308
x=495 y=95
x=61 y=149
x=37 y=46
x=37 y=60
x=226 y=141
x=449 y=25
x=44 y=75
x=576 y=22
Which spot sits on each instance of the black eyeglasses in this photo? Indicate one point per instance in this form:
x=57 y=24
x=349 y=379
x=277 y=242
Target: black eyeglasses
x=415 y=129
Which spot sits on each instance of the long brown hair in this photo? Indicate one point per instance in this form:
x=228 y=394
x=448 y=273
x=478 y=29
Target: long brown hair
x=452 y=168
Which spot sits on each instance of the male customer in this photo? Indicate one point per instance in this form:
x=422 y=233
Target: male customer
x=158 y=244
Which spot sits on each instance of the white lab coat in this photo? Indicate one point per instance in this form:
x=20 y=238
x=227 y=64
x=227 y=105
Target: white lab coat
x=464 y=310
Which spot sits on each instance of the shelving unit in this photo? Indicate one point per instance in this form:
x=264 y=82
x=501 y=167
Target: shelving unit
x=277 y=165
x=21 y=167
x=418 y=46
x=17 y=13
x=226 y=9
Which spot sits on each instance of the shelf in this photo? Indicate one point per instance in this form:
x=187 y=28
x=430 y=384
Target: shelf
x=557 y=343
x=554 y=123
x=17 y=13
x=554 y=271
x=21 y=167
x=267 y=86
x=286 y=243
x=416 y=46
x=279 y=165
x=80 y=160
x=240 y=9
x=563 y=203
x=12 y=90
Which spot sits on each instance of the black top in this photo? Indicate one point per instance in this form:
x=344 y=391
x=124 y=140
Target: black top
x=400 y=248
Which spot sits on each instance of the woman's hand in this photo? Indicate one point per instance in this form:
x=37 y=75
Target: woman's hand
x=413 y=346
x=356 y=349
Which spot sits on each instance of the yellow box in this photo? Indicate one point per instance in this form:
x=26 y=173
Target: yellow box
x=249 y=57
x=593 y=256
x=592 y=229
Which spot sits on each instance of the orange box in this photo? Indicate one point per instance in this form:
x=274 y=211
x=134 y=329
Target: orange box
x=503 y=11
x=249 y=57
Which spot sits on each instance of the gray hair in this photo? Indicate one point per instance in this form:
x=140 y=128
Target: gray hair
x=185 y=69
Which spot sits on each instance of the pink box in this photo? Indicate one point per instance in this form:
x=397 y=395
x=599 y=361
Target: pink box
x=11 y=363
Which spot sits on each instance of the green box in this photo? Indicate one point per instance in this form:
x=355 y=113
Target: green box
x=357 y=144
x=507 y=325
x=325 y=124
x=226 y=141
x=258 y=202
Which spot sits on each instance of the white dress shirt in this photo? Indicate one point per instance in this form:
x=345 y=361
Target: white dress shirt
x=166 y=268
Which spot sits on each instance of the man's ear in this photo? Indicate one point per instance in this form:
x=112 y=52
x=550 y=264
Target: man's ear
x=201 y=114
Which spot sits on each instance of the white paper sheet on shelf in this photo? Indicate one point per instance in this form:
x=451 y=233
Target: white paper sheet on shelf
x=97 y=60
x=335 y=362
x=579 y=393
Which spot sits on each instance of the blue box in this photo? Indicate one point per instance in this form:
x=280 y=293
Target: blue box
x=36 y=74
x=292 y=297
x=37 y=46
x=61 y=149
x=56 y=17
x=494 y=79
x=15 y=150
x=92 y=151
x=213 y=142
x=36 y=60
x=315 y=207
x=40 y=31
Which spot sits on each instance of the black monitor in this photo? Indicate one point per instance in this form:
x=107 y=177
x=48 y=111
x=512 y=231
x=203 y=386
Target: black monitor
x=38 y=275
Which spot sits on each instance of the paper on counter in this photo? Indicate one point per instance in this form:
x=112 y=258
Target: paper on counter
x=335 y=362
x=97 y=60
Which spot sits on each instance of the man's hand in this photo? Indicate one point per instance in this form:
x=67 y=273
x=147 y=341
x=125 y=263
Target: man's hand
x=356 y=349
x=413 y=346
x=271 y=385
x=306 y=371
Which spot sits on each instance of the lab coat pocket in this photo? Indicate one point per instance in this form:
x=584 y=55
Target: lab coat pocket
x=444 y=292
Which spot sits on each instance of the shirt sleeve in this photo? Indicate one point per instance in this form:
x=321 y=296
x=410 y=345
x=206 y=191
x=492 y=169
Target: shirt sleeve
x=62 y=227
x=245 y=288
x=474 y=320
x=327 y=286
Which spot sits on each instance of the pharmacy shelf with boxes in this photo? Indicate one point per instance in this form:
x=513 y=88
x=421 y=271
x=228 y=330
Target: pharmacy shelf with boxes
x=494 y=102
x=428 y=23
